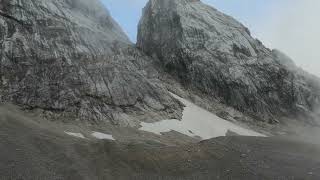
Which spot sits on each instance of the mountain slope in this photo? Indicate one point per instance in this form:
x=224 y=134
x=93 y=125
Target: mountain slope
x=71 y=60
x=211 y=53
x=31 y=150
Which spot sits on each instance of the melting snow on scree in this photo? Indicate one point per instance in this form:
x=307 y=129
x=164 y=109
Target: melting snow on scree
x=197 y=121
x=99 y=135
x=78 y=135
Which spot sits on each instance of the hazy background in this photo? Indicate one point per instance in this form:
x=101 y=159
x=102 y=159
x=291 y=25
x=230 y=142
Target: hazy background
x=293 y=26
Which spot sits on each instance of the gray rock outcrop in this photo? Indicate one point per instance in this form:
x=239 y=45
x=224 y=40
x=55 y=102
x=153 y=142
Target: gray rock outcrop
x=211 y=52
x=70 y=59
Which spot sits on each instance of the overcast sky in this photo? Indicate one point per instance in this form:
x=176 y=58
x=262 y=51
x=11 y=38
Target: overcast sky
x=293 y=26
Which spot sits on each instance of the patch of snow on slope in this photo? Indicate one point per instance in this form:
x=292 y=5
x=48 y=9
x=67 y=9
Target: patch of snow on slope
x=78 y=135
x=99 y=135
x=197 y=121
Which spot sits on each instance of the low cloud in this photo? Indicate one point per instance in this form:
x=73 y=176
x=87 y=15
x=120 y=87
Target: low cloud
x=291 y=26
x=294 y=28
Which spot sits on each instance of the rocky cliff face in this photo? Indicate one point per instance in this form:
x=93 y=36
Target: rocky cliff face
x=211 y=52
x=70 y=59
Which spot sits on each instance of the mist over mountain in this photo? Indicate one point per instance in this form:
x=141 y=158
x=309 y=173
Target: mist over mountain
x=213 y=54
x=80 y=101
x=72 y=60
x=294 y=30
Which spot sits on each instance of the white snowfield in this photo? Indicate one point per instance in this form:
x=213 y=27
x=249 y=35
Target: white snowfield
x=99 y=135
x=78 y=135
x=197 y=121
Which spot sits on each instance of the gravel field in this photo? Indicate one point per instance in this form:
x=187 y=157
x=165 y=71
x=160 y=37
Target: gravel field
x=30 y=151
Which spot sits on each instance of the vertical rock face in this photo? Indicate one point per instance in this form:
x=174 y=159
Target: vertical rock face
x=69 y=58
x=211 y=52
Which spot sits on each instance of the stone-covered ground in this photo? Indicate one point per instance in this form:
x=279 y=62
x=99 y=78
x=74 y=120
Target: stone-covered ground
x=30 y=150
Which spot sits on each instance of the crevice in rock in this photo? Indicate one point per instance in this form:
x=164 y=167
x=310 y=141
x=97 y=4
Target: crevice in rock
x=11 y=18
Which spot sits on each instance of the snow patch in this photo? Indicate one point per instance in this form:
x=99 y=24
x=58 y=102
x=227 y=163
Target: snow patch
x=99 y=135
x=197 y=121
x=78 y=135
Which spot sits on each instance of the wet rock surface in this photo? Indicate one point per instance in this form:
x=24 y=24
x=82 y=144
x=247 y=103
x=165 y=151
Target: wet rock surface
x=71 y=60
x=215 y=55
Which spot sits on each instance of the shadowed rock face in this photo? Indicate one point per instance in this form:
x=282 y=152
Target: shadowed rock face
x=211 y=52
x=69 y=58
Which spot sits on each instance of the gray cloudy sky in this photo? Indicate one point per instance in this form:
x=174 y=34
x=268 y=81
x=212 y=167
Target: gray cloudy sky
x=295 y=29
x=293 y=26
